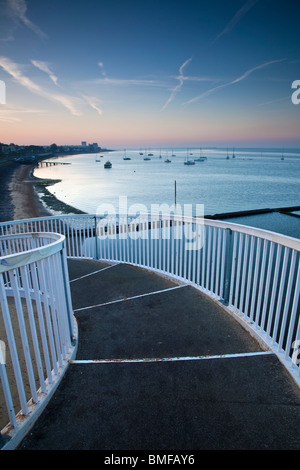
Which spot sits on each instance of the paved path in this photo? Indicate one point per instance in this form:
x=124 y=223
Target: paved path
x=160 y=366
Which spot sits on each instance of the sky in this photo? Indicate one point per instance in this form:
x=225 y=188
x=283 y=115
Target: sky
x=142 y=74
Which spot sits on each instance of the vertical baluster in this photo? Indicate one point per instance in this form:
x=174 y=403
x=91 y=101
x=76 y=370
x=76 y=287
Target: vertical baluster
x=7 y=393
x=274 y=289
x=287 y=297
x=249 y=277
x=25 y=276
x=280 y=294
x=42 y=280
x=177 y=247
x=213 y=262
x=245 y=261
x=53 y=303
x=267 y=287
x=24 y=338
x=294 y=332
x=255 y=281
x=233 y=269
x=37 y=295
x=258 y=317
x=12 y=348
x=219 y=258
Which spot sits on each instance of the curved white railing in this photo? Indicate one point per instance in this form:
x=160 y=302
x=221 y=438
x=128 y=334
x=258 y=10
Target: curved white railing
x=37 y=329
x=253 y=272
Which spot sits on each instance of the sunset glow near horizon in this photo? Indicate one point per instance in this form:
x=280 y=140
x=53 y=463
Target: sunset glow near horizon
x=151 y=73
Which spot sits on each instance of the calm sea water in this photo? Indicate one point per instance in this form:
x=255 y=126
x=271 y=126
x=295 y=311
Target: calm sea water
x=256 y=178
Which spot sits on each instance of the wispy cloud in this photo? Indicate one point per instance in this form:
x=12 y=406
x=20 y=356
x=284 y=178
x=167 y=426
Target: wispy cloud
x=5 y=117
x=18 y=10
x=44 y=67
x=236 y=18
x=102 y=68
x=287 y=99
x=123 y=82
x=233 y=82
x=11 y=115
x=14 y=70
x=175 y=90
x=94 y=102
x=105 y=80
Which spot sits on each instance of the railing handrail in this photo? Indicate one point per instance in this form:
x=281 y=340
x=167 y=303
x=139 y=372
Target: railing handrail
x=276 y=237
x=253 y=271
x=38 y=325
x=285 y=240
x=22 y=258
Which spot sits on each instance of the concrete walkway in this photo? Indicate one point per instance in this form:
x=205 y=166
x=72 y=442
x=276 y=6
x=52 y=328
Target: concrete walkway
x=140 y=381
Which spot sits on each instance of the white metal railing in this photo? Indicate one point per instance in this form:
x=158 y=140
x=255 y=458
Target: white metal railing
x=37 y=329
x=254 y=273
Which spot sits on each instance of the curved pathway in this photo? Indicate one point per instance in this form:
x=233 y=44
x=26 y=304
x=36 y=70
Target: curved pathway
x=160 y=366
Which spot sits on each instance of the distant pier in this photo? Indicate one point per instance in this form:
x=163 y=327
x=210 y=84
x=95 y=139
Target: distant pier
x=44 y=163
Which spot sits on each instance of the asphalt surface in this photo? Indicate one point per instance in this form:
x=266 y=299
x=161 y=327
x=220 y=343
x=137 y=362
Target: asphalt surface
x=162 y=367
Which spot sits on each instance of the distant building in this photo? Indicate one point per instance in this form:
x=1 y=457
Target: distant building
x=8 y=148
x=83 y=144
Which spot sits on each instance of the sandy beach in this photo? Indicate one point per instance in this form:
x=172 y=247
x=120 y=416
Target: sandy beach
x=19 y=196
x=26 y=203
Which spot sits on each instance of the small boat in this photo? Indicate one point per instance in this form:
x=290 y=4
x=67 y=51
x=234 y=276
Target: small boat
x=189 y=162
x=150 y=154
x=167 y=160
x=107 y=164
x=125 y=157
x=201 y=158
x=233 y=154
x=147 y=158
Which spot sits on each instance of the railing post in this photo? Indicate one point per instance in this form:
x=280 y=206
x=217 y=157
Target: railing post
x=66 y=286
x=228 y=265
x=96 y=241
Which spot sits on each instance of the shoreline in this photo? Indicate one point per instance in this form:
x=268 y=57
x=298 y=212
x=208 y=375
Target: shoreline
x=7 y=170
x=26 y=197
x=25 y=201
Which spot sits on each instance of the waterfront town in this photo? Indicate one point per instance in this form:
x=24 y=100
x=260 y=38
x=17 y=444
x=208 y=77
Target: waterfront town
x=20 y=152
